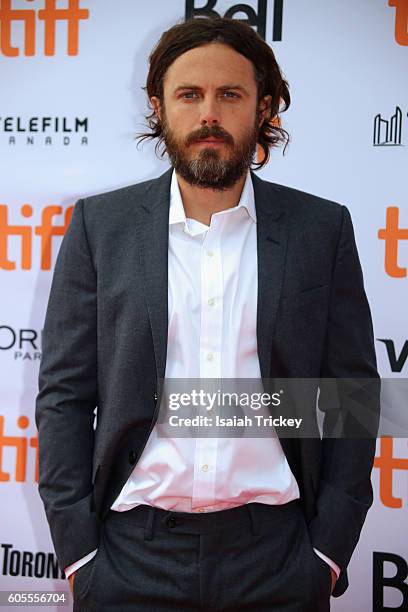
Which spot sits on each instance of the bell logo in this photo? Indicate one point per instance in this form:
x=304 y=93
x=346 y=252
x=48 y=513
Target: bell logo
x=401 y=21
x=392 y=234
x=49 y=15
x=254 y=18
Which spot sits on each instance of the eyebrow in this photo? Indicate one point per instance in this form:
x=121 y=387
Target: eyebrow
x=221 y=88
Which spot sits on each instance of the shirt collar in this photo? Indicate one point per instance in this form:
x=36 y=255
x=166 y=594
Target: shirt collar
x=177 y=213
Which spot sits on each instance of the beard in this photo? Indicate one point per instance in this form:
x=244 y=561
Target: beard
x=211 y=168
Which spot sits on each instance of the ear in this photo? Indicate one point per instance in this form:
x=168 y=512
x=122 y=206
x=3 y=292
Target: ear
x=156 y=106
x=264 y=109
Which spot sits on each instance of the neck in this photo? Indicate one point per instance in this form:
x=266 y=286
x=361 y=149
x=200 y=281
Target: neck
x=200 y=203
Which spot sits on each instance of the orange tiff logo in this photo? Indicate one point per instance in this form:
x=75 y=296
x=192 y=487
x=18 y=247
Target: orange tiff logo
x=401 y=20
x=49 y=15
x=392 y=234
x=20 y=444
x=45 y=231
x=387 y=464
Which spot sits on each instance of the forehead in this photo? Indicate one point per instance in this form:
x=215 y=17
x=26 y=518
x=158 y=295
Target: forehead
x=211 y=64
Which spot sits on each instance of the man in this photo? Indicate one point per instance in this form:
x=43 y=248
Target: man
x=206 y=272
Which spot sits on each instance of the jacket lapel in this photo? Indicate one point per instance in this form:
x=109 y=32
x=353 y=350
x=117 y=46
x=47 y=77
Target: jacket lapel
x=272 y=241
x=154 y=240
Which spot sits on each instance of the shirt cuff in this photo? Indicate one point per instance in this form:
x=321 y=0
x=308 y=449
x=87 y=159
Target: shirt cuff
x=332 y=564
x=75 y=566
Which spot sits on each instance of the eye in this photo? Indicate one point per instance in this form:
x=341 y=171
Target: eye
x=231 y=93
x=187 y=95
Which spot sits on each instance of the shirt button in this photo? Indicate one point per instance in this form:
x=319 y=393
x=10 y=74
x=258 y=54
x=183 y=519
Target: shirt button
x=205 y=468
x=211 y=302
x=210 y=357
x=210 y=253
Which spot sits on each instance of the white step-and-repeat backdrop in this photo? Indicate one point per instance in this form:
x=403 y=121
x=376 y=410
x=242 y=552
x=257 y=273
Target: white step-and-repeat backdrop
x=71 y=73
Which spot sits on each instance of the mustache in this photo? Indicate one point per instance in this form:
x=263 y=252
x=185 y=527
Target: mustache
x=209 y=132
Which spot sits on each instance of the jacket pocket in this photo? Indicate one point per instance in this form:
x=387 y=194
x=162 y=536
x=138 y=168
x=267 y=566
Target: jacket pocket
x=301 y=298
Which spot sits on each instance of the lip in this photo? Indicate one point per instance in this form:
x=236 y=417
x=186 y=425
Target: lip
x=211 y=143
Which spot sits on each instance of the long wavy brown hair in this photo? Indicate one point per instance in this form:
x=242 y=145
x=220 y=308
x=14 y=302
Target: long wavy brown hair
x=242 y=38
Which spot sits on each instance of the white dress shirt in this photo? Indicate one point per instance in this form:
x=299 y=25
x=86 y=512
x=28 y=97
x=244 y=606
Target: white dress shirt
x=212 y=311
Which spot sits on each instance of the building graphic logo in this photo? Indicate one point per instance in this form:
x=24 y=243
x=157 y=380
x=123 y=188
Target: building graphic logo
x=48 y=16
x=387 y=132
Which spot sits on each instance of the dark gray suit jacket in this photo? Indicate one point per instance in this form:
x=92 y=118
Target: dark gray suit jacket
x=105 y=341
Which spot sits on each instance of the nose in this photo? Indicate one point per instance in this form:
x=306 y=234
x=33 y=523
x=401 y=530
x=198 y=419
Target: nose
x=210 y=113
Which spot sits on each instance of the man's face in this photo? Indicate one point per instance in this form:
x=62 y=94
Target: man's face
x=210 y=93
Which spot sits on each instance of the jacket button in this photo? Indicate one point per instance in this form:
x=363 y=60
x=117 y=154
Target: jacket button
x=132 y=457
x=171 y=521
x=155 y=397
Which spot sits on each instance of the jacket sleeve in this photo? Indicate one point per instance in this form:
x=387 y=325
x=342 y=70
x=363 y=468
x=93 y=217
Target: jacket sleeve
x=67 y=397
x=345 y=492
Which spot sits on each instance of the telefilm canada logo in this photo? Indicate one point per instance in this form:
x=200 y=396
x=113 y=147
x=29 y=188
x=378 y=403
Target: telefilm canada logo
x=255 y=14
x=44 y=131
x=35 y=29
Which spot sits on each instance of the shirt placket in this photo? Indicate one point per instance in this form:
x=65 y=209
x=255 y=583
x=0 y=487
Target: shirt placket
x=211 y=288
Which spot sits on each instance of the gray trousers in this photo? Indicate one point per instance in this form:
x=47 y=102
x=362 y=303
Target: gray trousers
x=253 y=557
